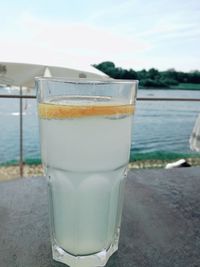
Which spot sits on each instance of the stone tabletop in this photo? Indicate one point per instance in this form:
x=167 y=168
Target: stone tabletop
x=160 y=224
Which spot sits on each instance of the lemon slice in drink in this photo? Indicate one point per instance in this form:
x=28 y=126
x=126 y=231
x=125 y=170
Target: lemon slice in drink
x=57 y=111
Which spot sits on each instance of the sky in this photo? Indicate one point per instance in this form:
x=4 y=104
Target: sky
x=133 y=34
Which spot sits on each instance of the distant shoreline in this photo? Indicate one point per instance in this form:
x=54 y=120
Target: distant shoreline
x=180 y=86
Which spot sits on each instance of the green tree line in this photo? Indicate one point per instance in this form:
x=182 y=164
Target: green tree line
x=150 y=78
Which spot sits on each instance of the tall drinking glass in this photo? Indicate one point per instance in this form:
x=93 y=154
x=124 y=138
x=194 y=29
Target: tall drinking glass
x=85 y=131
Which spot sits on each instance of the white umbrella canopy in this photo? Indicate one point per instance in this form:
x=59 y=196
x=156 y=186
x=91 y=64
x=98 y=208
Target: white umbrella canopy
x=23 y=74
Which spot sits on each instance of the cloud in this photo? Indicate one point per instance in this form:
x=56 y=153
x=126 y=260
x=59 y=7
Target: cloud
x=114 y=10
x=176 y=32
x=131 y=33
x=60 y=41
x=179 y=21
x=152 y=20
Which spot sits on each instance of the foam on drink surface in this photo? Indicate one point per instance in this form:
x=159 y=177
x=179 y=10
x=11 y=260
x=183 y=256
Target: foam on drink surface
x=85 y=147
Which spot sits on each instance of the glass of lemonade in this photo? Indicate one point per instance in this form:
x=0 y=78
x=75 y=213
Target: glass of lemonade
x=85 y=131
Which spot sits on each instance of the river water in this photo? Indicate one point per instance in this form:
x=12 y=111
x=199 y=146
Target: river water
x=160 y=129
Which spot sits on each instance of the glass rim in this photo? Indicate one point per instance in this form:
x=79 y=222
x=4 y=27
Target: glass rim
x=86 y=81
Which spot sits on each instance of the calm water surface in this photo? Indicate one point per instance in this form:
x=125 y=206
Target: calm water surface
x=160 y=129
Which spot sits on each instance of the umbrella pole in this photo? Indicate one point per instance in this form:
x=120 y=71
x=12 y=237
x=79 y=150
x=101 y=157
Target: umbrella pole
x=21 y=133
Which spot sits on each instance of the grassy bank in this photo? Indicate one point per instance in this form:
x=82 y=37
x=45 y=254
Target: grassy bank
x=180 y=86
x=161 y=156
x=186 y=86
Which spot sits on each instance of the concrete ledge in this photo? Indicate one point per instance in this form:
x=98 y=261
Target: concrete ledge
x=160 y=226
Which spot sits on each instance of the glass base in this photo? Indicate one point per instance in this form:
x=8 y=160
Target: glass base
x=94 y=260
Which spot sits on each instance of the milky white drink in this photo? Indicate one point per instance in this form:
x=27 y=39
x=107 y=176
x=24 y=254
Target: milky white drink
x=85 y=148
